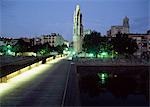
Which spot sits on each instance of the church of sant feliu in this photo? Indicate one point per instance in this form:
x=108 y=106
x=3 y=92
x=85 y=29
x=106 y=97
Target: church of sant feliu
x=77 y=30
x=78 y=33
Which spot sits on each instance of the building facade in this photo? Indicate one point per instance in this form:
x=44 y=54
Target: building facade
x=77 y=30
x=124 y=29
x=66 y=43
x=37 y=41
x=143 y=42
x=87 y=32
x=53 y=39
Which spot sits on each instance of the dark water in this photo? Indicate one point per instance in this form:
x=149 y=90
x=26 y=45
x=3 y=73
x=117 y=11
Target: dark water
x=114 y=86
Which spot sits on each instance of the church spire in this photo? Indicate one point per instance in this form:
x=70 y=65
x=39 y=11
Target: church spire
x=126 y=22
x=77 y=30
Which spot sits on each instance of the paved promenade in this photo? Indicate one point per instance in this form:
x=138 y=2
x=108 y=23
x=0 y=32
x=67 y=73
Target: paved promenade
x=44 y=89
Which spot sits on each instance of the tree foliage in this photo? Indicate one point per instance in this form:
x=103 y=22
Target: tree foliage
x=60 y=49
x=94 y=43
x=2 y=49
x=43 y=49
x=123 y=44
x=21 y=46
x=91 y=43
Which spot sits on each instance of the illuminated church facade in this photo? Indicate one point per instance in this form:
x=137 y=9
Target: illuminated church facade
x=77 y=30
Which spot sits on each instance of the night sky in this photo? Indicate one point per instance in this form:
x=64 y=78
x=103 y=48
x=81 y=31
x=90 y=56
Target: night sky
x=31 y=18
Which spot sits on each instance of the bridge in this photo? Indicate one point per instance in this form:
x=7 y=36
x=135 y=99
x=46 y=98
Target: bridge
x=42 y=85
x=53 y=83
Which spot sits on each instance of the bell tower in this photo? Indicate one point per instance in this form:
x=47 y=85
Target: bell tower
x=126 y=24
x=77 y=30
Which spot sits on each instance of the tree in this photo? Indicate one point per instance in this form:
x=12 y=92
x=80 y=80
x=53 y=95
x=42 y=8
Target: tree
x=123 y=44
x=21 y=46
x=91 y=43
x=105 y=45
x=42 y=49
x=6 y=49
x=3 y=49
x=60 y=48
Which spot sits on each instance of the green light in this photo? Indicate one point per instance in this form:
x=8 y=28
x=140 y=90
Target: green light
x=69 y=52
x=73 y=53
x=65 y=52
x=91 y=55
x=66 y=49
x=8 y=51
x=103 y=55
x=8 y=46
x=102 y=75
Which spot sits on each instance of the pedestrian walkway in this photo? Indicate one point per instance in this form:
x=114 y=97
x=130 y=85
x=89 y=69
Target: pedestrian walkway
x=45 y=89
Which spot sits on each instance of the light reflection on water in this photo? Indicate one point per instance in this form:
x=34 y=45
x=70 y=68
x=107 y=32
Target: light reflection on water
x=107 y=88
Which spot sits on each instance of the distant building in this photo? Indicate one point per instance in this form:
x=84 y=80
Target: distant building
x=66 y=43
x=5 y=40
x=2 y=43
x=87 y=32
x=53 y=39
x=77 y=30
x=148 y=43
x=13 y=42
x=71 y=44
x=148 y=32
x=46 y=39
x=37 y=41
x=143 y=42
x=124 y=29
x=29 y=41
x=8 y=41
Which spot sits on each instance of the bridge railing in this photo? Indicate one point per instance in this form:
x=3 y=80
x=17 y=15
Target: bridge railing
x=5 y=75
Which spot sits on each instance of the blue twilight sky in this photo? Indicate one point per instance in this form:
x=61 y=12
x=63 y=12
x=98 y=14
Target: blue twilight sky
x=31 y=18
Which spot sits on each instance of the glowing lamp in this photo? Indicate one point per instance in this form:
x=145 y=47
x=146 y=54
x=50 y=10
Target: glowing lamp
x=91 y=55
